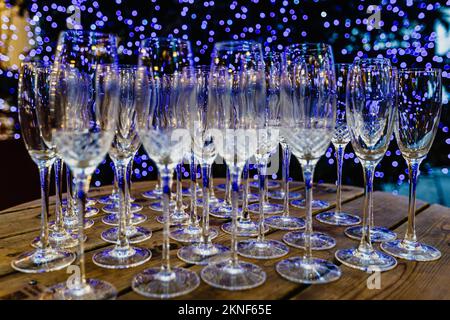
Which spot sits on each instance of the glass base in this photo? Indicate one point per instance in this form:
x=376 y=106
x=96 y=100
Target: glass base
x=265 y=249
x=338 y=218
x=91 y=212
x=204 y=254
x=285 y=223
x=271 y=184
x=155 y=283
x=135 y=234
x=319 y=241
x=113 y=208
x=153 y=194
x=366 y=261
x=93 y=290
x=158 y=205
x=43 y=260
x=279 y=195
x=186 y=192
x=269 y=208
x=72 y=225
x=190 y=234
x=223 y=211
x=90 y=202
x=176 y=219
x=223 y=186
x=308 y=270
x=377 y=234
x=225 y=275
x=251 y=197
x=411 y=250
x=199 y=203
x=113 y=219
x=106 y=199
x=120 y=258
x=246 y=228
x=62 y=240
x=316 y=204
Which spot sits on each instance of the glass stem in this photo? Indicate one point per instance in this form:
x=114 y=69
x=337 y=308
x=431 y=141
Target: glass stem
x=129 y=173
x=82 y=180
x=115 y=190
x=413 y=172
x=245 y=216
x=193 y=188
x=340 y=161
x=228 y=188
x=365 y=245
x=166 y=179
x=58 y=168
x=44 y=174
x=235 y=173
x=206 y=174
x=70 y=215
x=211 y=185
x=285 y=171
x=122 y=166
x=308 y=175
x=262 y=171
x=179 y=196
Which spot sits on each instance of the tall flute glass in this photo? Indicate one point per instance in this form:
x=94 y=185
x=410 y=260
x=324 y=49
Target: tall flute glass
x=275 y=69
x=163 y=131
x=124 y=146
x=307 y=123
x=419 y=107
x=45 y=257
x=58 y=236
x=236 y=93
x=203 y=147
x=267 y=142
x=84 y=100
x=340 y=139
x=370 y=115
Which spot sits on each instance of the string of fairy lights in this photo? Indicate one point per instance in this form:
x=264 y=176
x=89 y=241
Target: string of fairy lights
x=410 y=33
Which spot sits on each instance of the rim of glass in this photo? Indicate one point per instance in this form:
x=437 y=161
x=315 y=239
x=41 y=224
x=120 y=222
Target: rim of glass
x=228 y=44
x=145 y=41
x=309 y=46
x=419 y=70
x=37 y=64
x=88 y=33
x=372 y=60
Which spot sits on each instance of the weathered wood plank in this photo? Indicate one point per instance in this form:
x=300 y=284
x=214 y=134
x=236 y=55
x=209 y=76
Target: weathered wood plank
x=409 y=280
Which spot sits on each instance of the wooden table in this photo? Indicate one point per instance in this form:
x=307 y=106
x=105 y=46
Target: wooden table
x=409 y=280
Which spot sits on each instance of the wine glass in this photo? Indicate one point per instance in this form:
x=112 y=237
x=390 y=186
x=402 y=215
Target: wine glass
x=370 y=111
x=308 y=119
x=124 y=146
x=83 y=109
x=340 y=139
x=45 y=257
x=377 y=233
x=268 y=138
x=419 y=106
x=204 y=149
x=58 y=236
x=275 y=70
x=163 y=131
x=236 y=93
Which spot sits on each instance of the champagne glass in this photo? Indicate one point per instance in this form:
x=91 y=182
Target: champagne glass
x=124 y=146
x=84 y=100
x=58 y=236
x=155 y=193
x=203 y=147
x=419 y=106
x=370 y=111
x=224 y=209
x=45 y=257
x=268 y=138
x=236 y=93
x=163 y=131
x=308 y=122
x=275 y=70
x=340 y=139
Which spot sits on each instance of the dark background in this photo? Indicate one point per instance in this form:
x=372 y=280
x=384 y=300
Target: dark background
x=408 y=35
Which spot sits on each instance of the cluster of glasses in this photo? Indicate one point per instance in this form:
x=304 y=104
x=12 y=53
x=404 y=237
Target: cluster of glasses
x=242 y=106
